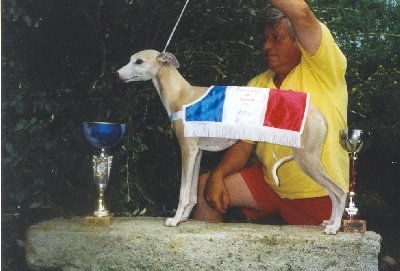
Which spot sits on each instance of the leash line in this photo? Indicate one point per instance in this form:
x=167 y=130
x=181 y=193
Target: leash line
x=173 y=31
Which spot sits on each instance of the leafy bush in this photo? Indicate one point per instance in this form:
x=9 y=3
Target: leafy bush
x=66 y=79
x=57 y=63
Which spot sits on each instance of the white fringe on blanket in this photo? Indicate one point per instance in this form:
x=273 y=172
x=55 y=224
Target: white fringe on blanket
x=253 y=133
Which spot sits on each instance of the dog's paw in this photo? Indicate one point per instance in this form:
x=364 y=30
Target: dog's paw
x=331 y=229
x=172 y=222
x=326 y=223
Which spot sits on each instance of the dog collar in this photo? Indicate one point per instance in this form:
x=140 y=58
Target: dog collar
x=176 y=116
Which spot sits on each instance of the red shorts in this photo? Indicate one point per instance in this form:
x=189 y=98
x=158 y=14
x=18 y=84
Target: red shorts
x=309 y=211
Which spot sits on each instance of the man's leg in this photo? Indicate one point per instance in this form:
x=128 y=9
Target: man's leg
x=240 y=196
x=311 y=211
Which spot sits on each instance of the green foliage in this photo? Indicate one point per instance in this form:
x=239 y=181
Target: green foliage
x=58 y=76
x=57 y=63
x=368 y=33
x=375 y=103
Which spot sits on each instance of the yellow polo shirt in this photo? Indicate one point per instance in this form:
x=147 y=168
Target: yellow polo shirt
x=323 y=76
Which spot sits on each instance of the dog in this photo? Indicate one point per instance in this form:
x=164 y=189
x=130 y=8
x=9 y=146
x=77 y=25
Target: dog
x=175 y=92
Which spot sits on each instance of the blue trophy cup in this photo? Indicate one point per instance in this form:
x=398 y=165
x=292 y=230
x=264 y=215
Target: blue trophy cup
x=102 y=135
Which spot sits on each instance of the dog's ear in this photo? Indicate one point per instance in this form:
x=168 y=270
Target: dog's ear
x=170 y=58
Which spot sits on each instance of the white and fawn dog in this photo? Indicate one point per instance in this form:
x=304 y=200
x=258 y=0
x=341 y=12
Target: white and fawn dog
x=175 y=92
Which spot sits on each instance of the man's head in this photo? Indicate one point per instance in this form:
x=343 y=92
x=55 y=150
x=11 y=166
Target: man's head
x=280 y=47
x=274 y=15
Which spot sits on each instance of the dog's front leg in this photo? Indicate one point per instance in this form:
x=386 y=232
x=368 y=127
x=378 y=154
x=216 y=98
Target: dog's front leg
x=193 y=187
x=190 y=151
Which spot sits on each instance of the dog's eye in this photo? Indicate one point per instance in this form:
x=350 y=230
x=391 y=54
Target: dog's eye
x=139 y=61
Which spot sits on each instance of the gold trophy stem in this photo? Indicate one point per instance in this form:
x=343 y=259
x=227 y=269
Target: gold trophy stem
x=101 y=175
x=101 y=172
x=101 y=210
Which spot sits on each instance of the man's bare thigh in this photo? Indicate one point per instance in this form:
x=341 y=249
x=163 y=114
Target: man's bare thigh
x=239 y=193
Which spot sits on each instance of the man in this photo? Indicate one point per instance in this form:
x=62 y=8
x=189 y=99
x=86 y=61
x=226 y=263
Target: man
x=301 y=55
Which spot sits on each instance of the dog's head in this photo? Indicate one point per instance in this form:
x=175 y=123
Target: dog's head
x=145 y=65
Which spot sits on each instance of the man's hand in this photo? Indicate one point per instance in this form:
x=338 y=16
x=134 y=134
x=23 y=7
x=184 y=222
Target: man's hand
x=216 y=193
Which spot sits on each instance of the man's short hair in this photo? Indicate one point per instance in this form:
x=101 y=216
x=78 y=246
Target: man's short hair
x=272 y=16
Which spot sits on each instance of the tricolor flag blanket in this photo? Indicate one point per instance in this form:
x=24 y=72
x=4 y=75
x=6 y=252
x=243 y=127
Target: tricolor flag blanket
x=250 y=113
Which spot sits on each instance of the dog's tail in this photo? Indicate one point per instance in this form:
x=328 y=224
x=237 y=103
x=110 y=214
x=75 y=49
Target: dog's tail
x=277 y=165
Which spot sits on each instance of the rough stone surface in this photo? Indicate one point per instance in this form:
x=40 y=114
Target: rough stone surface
x=144 y=243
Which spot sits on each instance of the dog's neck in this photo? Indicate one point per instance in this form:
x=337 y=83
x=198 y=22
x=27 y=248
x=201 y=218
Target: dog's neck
x=170 y=86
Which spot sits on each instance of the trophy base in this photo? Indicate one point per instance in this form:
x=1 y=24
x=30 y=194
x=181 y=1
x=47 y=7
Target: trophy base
x=101 y=213
x=104 y=221
x=354 y=225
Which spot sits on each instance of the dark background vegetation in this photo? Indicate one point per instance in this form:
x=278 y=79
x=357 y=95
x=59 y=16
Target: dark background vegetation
x=57 y=63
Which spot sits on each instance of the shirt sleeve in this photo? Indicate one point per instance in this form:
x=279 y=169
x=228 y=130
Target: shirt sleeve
x=329 y=61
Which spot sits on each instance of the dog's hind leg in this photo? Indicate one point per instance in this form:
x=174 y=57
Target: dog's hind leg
x=193 y=188
x=308 y=159
x=309 y=162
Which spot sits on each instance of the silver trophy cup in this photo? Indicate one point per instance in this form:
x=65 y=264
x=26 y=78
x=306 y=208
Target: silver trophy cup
x=352 y=141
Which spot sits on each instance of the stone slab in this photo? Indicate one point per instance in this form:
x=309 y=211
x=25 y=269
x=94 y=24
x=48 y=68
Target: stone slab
x=144 y=243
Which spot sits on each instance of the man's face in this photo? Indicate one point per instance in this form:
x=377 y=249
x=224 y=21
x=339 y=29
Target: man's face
x=280 y=49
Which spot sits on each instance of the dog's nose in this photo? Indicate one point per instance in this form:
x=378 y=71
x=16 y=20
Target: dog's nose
x=116 y=74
